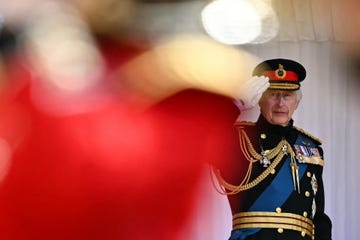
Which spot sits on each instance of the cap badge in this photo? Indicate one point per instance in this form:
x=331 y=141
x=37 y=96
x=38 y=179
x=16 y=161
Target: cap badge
x=280 y=72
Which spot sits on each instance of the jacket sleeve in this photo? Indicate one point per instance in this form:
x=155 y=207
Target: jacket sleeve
x=322 y=221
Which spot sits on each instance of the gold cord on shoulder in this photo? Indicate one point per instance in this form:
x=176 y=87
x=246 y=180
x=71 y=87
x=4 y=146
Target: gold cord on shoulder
x=250 y=154
x=308 y=134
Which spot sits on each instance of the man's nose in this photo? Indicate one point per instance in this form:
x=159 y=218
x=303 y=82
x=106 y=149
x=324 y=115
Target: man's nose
x=280 y=100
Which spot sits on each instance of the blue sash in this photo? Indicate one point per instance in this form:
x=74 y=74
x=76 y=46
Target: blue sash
x=274 y=195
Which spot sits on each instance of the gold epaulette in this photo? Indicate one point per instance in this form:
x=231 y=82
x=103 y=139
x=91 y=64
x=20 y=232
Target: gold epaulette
x=309 y=135
x=244 y=123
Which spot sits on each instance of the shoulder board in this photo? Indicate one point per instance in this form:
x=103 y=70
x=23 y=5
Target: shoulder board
x=308 y=135
x=243 y=124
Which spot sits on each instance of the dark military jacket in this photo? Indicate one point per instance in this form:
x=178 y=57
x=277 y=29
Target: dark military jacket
x=279 y=191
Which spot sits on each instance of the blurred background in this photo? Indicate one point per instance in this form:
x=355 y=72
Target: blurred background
x=66 y=49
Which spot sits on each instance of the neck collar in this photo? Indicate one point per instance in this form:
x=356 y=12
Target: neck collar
x=265 y=126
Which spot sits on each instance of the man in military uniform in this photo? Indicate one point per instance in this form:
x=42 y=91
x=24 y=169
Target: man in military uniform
x=280 y=195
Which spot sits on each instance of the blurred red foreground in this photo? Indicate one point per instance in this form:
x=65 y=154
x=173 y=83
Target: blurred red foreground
x=114 y=171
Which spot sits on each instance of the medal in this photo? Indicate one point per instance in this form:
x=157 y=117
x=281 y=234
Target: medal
x=313 y=208
x=314 y=184
x=264 y=161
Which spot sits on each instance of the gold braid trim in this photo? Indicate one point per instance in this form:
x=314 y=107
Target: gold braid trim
x=282 y=149
x=275 y=220
x=244 y=123
x=285 y=86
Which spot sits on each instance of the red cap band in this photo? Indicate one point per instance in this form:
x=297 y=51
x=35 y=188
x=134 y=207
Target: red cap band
x=290 y=76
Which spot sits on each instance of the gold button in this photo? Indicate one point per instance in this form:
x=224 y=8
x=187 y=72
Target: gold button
x=303 y=233
x=305 y=214
x=272 y=171
x=308 y=174
x=263 y=136
x=280 y=230
x=307 y=194
x=278 y=210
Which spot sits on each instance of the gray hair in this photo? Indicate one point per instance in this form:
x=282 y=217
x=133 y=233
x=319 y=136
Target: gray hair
x=298 y=95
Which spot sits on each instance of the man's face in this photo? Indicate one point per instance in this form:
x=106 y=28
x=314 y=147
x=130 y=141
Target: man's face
x=278 y=106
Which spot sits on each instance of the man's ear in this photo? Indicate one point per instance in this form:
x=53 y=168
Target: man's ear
x=298 y=98
x=297 y=102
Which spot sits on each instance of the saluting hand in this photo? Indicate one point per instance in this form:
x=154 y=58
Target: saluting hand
x=251 y=91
